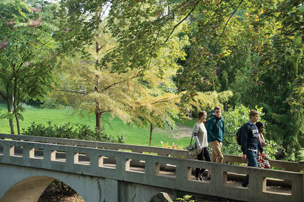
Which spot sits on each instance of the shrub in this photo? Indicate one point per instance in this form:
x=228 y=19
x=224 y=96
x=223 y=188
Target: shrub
x=234 y=119
x=78 y=131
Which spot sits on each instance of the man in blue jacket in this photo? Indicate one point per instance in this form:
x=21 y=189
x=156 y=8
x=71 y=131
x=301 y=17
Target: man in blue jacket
x=250 y=142
x=215 y=130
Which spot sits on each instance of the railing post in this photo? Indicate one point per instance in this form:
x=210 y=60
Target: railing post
x=301 y=168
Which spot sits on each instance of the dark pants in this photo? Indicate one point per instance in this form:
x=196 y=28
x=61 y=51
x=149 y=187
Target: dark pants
x=252 y=162
x=205 y=154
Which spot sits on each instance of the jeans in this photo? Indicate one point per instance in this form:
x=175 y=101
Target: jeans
x=252 y=162
x=205 y=154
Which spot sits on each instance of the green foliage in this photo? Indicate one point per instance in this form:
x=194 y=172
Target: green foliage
x=207 y=100
x=216 y=52
x=173 y=146
x=77 y=22
x=185 y=198
x=26 y=55
x=134 y=95
x=111 y=126
x=78 y=131
x=234 y=119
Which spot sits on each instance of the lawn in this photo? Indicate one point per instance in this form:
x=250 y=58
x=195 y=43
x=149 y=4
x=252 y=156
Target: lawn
x=112 y=126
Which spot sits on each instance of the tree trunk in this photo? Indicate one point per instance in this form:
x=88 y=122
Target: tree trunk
x=98 y=113
x=18 y=125
x=11 y=123
x=151 y=130
x=98 y=121
x=15 y=111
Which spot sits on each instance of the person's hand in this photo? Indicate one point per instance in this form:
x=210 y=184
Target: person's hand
x=244 y=158
x=264 y=156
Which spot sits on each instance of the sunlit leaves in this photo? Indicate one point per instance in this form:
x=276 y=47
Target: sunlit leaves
x=26 y=55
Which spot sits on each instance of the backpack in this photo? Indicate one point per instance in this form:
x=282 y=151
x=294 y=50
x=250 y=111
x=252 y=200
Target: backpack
x=238 y=134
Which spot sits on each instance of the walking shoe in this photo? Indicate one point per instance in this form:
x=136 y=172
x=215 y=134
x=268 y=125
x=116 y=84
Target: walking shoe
x=244 y=185
x=199 y=179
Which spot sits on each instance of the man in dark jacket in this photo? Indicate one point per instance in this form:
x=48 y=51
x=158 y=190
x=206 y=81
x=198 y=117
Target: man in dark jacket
x=250 y=142
x=215 y=130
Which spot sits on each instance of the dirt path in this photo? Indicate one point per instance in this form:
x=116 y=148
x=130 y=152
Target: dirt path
x=178 y=133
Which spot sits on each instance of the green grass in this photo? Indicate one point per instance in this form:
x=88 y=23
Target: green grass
x=114 y=127
x=187 y=123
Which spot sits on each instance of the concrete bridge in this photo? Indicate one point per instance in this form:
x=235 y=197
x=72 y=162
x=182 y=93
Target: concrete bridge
x=110 y=172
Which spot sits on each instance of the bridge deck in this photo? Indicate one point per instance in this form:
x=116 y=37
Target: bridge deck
x=87 y=158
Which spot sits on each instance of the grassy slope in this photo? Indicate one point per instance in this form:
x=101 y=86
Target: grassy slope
x=114 y=127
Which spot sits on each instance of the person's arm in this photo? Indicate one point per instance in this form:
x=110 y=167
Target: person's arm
x=244 y=158
x=244 y=135
x=260 y=148
x=209 y=126
x=223 y=127
x=195 y=133
x=223 y=130
x=262 y=140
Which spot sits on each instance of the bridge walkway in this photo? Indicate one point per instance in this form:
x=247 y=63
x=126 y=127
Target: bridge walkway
x=152 y=166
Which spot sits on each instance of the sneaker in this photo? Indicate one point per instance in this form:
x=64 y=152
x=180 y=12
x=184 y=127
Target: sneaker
x=244 y=185
x=200 y=177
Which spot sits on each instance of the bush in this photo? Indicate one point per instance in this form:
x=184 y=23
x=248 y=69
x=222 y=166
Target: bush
x=234 y=119
x=78 y=131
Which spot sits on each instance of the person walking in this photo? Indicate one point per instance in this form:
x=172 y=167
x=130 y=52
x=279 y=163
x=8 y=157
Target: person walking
x=200 y=138
x=250 y=143
x=262 y=162
x=215 y=130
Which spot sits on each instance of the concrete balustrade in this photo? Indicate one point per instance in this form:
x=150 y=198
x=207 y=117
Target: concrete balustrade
x=153 y=171
x=285 y=165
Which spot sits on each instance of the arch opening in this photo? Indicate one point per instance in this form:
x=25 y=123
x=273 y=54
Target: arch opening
x=40 y=189
x=58 y=190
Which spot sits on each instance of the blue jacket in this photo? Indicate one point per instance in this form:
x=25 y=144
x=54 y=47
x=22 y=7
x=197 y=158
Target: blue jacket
x=250 y=137
x=215 y=129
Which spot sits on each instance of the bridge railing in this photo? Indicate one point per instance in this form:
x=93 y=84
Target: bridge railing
x=285 y=165
x=151 y=172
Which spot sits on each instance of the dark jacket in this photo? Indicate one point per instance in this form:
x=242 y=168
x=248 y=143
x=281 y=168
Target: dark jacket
x=215 y=129
x=250 y=137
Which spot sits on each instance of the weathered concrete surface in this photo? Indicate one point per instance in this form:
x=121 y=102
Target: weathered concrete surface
x=95 y=179
x=22 y=184
x=25 y=190
x=27 y=184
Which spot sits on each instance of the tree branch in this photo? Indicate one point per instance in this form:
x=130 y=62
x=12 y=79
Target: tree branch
x=167 y=17
x=182 y=21
x=162 y=100
x=113 y=84
x=226 y=26
x=69 y=91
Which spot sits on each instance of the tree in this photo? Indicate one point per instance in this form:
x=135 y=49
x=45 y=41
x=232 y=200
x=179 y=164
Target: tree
x=265 y=68
x=137 y=96
x=26 y=56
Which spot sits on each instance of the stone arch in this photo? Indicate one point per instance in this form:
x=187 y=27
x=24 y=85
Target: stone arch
x=28 y=189
x=17 y=180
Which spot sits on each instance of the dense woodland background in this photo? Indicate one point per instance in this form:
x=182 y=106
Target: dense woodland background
x=154 y=62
